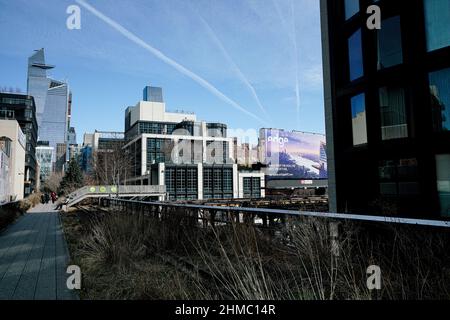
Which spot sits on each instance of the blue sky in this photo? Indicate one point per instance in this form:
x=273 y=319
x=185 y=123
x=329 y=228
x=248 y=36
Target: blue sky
x=259 y=54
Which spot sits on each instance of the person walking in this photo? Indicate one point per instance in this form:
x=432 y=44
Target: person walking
x=47 y=198
x=53 y=195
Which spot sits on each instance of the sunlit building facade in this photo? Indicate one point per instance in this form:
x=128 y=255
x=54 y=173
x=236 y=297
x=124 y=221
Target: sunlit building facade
x=53 y=100
x=193 y=159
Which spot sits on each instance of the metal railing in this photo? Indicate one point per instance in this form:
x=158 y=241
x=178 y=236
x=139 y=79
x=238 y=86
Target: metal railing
x=114 y=191
x=266 y=216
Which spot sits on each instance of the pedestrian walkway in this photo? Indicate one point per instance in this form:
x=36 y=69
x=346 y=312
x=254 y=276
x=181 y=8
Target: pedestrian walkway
x=34 y=258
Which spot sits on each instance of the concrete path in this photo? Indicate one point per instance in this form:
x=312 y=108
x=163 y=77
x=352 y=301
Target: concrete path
x=34 y=257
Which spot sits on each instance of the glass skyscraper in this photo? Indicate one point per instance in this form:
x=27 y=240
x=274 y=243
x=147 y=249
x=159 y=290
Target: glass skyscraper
x=52 y=102
x=153 y=94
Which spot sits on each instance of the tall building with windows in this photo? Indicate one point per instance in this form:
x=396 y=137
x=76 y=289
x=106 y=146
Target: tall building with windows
x=53 y=105
x=22 y=108
x=44 y=157
x=387 y=107
x=193 y=159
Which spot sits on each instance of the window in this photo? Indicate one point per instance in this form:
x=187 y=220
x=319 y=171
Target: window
x=217 y=182
x=28 y=113
x=443 y=182
x=252 y=187
x=228 y=180
x=393 y=113
x=351 y=8
x=355 y=56
x=440 y=99
x=399 y=177
x=359 y=124
x=389 y=43
x=437 y=21
x=207 y=181
x=192 y=181
x=155 y=151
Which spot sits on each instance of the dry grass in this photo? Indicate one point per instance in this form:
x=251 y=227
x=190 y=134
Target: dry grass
x=30 y=202
x=10 y=212
x=118 y=261
x=132 y=257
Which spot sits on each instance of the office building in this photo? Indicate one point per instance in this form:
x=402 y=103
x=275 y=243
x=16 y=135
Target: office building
x=12 y=145
x=22 y=108
x=387 y=107
x=153 y=94
x=246 y=154
x=53 y=105
x=193 y=159
x=44 y=155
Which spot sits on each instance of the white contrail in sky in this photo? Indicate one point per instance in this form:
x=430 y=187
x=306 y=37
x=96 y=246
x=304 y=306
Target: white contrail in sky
x=292 y=35
x=283 y=20
x=297 y=84
x=230 y=60
x=158 y=54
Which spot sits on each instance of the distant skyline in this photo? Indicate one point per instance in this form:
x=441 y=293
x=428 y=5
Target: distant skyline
x=262 y=55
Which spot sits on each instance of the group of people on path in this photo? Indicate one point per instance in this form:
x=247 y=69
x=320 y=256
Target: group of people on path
x=45 y=197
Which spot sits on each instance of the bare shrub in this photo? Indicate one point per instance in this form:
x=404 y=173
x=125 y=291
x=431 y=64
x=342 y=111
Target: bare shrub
x=53 y=182
x=30 y=202
x=166 y=254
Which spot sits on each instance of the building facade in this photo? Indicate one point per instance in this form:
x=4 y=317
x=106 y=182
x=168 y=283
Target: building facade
x=44 y=155
x=193 y=159
x=12 y=144
x=53 y=105
x=387 y=107
x=22 y=108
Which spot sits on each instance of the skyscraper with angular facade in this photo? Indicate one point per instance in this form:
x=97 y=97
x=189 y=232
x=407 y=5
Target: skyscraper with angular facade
x=387 y=107
x=52 y=100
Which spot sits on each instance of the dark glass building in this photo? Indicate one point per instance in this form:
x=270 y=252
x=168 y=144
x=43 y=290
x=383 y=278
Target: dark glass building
x=153 y=94
x=22 y=108
x=387 y=107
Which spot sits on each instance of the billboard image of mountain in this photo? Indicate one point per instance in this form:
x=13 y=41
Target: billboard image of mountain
x=294 y=155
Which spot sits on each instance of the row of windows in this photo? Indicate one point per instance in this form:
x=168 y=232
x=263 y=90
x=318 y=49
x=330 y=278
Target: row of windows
x=389 y=48
x=393 y=109
x=218 y=182
x=181 y=183
x=150 y=128
x=389 y=38
x=155 y=151
x=16 y=101
x=185 y=128
x=252 y=187
x=400 y=178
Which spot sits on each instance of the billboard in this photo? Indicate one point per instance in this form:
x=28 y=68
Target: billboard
x=294 y=155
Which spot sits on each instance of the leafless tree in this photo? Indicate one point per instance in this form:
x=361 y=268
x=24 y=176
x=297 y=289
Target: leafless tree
x=111 y=166
x=53 y=181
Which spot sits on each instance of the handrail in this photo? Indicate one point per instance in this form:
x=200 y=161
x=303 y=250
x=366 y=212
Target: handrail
x=105 y=191
x=340 y=216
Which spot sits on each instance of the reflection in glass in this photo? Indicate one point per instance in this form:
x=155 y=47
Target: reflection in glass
x=440 y=99
x=359 y=124
x=355 y=56
x=437 y=19
x=351 y=8
x=389 y=43
x=443 y=182
x=399 y=177
x=393 y=113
